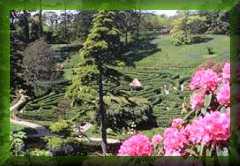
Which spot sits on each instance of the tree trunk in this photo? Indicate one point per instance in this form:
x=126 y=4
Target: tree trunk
x=126 y=37
x=102 y=112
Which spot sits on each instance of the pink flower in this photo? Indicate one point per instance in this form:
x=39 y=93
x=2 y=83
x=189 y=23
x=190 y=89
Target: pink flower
x=223 y=95
x=218 y=125
x=214 y=127
x=177 y=123
x=197 y=99
x=196 y=79
x=173 y=140
x=157 y=139
x=196 y=132
x=204 y=79
x=226 y=71
x=172 y=153
x=137 y=145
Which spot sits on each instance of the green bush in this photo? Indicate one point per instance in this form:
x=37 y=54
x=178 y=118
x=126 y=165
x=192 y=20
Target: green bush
x=60 y=126
x=17 y=142
x=180 y=37
x=55 y=143
x=39 y=152
x=122 y=114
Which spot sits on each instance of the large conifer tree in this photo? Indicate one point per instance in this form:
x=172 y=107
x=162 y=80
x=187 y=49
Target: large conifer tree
x=99 y=52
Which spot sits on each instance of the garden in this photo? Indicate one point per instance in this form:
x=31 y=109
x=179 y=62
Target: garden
x=120 y=83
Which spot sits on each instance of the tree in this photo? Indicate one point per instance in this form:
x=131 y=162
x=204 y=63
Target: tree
x=82 y=24
x=100 y=50
x=180 y=33
x=128 y=21
x=39 y=63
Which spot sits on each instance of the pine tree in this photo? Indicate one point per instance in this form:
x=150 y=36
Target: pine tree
x=99 y=52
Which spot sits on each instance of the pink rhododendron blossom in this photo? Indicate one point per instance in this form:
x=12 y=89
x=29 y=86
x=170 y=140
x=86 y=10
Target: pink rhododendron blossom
x=196 y=132
x=172 y=153
x=223 y=95
x=173 y=140
x=157 y=139
x=177 y=123
x=226 y=71
x=197 y=100
x=218 y=125
x=196 y=79
x=137 y=145
x=214 y=127
x=204 y=79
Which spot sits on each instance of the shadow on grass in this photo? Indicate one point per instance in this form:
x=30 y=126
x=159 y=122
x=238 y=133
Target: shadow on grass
x=200 y=39
x=140 y=49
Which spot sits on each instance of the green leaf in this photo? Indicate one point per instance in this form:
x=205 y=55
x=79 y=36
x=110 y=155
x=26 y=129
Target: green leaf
x=207 y=100
x=209 y=152
x=107 y=100
x=203 y=111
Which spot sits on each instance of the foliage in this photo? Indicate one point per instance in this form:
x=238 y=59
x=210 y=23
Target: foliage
x=17 y=142
x=40 y=152
x=55 y=143
x=16 y=60
x=122 y=112
x=100 y=48
x=218 y=22
x=59 y=126
x=39 y=63
x=180 y=33
x=197 y=24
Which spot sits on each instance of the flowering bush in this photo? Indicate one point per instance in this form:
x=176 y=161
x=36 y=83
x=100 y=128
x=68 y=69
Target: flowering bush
x=207 y=132
x=157 y=139
x=137 y=145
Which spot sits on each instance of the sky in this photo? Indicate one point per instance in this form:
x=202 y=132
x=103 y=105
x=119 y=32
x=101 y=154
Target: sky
x=165 y=12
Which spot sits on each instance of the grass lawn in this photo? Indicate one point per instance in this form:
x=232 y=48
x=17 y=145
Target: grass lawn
x=186 y=55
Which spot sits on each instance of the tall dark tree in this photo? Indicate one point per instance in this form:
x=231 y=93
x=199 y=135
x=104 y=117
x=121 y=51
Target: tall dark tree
x=82 y=24
x=39 y=63
x=99 y=51
x=128 y=22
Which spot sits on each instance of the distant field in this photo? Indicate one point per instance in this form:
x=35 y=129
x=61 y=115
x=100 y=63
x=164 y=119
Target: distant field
x=186 y=55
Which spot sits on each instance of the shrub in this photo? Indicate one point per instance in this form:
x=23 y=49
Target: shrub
x=55 y=143
x=60 y=126
x=17 y=142
x=40 y=152
x=180 y=34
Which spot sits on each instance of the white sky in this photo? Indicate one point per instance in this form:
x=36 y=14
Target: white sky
x=165 y=12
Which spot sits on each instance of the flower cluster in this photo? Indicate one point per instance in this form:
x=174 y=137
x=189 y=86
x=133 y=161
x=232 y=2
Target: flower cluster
x=207 y=81
x=157 y=139
x=174 y=141
x=212 y=128
x=204 y=79
x=137 y=145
